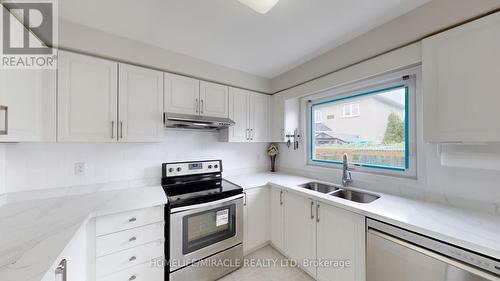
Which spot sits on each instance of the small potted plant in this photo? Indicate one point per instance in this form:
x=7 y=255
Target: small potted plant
x=272 y=152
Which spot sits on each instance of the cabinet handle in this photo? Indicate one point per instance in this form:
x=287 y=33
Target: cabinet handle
x=246 y=134
x=132 y=258
x=121 y=129
x=312 y=210
x=202 y=110
x=317 y=213
x=251 y=134
x=112 y=129
x=61 y=269
x=5 y=131
x=244 y=199
x=282 y=134
x=133 y=277
x=132 y=220
x=132 y=239
x=196 y=107
x=281 y=197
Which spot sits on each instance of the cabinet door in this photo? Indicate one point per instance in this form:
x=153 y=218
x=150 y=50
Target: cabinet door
x=141 y=104
x=277 y=132
x=182 y=94
x=278 y=218
x=27 y=105
x=340 y=237
x=27 y=102
x=214 y=100
x=256 y=219
x=300 y=228
x=87 y=99
x=239 y=113
x=259 y=117
x=460 y=70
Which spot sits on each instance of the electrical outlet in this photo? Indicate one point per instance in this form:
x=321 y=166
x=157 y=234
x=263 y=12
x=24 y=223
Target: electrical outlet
x=80 y=168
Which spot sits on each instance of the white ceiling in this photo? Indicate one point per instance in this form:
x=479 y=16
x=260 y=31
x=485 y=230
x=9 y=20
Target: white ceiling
x=227 y=33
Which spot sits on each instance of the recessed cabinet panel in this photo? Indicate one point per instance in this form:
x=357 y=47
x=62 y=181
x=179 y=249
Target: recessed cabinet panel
x=87 y=98
x=460 y=69
x=278 y=200
x=182 y=94
x=256 y=210
x=259 y=121
x=140 y=104
x=27 y=105
x=239 y=113
x=214 y=100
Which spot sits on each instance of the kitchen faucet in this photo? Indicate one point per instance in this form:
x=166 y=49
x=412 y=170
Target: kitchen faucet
x=346 y=172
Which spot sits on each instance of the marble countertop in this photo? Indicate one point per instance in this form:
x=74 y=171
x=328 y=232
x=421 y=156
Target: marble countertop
x=35 y=232
x=475 y=231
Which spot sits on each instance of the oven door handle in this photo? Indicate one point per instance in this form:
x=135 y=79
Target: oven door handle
x=205 y=205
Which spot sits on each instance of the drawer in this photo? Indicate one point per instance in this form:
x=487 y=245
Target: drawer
x=125 y=259
x=108 y=244
x=123 y=221
x=142 y=272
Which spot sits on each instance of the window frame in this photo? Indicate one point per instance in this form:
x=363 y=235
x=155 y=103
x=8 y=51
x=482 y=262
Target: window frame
x=363 y=89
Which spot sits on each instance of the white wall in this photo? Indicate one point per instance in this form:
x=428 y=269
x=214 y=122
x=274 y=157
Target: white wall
x=2 y=169
x=91 y=41
x=32 y=166
x=426 y=19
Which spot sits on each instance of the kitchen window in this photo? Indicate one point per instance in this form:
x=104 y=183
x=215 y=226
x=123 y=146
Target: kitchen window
x=379 y=140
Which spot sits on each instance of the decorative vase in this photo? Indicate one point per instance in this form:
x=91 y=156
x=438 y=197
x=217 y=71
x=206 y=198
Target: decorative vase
x=273 y=163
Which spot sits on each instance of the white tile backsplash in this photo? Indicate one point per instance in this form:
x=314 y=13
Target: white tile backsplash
x=34 y=166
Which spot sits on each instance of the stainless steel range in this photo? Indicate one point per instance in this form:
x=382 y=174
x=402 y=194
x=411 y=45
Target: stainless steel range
x=205 y=215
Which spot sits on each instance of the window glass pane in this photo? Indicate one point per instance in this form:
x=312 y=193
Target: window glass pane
x=377 y=138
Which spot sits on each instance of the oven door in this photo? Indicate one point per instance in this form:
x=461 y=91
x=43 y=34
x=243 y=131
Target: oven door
x=199 y=231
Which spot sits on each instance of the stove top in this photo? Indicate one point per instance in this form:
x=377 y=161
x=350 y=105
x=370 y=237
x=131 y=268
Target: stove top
x=191 y=183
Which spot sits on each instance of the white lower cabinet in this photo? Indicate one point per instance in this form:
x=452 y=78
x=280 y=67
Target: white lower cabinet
x=256 y=223
x=127 y=243
x=326 y=241
x=300 y=229
x=278 y=197
x=340 y=238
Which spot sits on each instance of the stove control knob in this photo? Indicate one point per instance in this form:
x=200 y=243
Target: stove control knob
x=171 y=170
x=179 y=169
x=216 y=166
x=210 y=166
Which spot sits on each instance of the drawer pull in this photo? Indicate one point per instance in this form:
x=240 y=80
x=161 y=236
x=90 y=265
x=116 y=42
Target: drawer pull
x=132 y=239
x=133 y=277
x=133 y=258
x=132 y=220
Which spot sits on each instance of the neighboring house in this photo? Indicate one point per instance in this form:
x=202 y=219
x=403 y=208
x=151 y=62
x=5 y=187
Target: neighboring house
x=325 y=135
x=341 y=120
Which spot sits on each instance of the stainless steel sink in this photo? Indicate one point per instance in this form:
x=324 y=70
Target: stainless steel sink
x=320 y=187
x=355 y=196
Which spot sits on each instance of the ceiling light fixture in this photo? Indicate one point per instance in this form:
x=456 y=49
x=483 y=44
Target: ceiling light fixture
x=260 y=6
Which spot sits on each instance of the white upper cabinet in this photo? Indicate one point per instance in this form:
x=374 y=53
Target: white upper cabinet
x=340 y=236
x=87 y=98
x=182 y=94
x=460 y=69
x=250 y=112
x=277 y=131
x=140 y=104
x=27 y=105
x=27 y=102
x=239 y=112
x=214 y=99
x=259 y=117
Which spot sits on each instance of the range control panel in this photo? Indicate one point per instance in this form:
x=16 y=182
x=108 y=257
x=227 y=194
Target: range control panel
x=193 y=168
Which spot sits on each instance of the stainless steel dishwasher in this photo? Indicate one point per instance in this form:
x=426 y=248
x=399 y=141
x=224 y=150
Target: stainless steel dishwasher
x=395 y=254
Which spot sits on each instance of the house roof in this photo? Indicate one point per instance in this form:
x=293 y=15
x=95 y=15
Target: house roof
x=320 y=127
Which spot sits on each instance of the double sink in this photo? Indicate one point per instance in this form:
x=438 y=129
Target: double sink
x=347 y=194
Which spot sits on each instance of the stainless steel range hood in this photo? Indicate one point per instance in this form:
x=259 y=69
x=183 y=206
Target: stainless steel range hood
x=186 y=121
